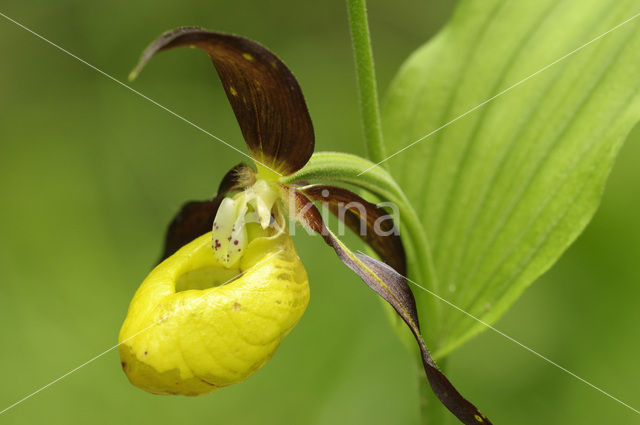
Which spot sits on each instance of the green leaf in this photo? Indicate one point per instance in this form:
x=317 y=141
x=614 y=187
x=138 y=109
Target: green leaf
x=504 y=190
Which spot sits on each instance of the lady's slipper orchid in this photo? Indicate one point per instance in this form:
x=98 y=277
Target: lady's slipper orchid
x=230 y=285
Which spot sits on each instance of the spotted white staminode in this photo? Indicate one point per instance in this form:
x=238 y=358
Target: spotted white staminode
x=229 y=233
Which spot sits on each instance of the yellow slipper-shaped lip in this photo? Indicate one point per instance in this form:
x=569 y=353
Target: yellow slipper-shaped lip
x=195 y=326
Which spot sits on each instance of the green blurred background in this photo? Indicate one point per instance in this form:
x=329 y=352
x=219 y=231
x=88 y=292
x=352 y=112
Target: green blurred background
x=90 y=174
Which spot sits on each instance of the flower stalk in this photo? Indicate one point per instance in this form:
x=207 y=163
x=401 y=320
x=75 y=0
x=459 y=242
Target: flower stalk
x=419 y=252
x=367 y=87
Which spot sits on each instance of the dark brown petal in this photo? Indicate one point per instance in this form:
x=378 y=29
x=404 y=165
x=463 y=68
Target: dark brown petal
x=237 y=178
x=195 y=218
x=264 y=94
x=372 y=223
x=393 y=288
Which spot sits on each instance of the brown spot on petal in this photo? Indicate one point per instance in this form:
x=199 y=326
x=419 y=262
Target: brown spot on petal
x=237 y=306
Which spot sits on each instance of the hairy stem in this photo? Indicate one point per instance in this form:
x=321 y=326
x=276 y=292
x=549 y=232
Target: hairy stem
x=365 y=71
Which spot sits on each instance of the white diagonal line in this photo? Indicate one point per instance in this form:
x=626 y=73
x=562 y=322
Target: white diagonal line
x=98 y=70
x=132 y=336
x=531 y=350
x=503 y=92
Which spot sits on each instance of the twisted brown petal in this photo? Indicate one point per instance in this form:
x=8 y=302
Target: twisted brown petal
x=393 y=288
x=372 y=223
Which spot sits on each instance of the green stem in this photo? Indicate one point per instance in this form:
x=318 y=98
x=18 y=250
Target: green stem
x=365 y=71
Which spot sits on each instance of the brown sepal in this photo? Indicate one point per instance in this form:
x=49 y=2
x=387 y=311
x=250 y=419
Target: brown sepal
x=264 y=94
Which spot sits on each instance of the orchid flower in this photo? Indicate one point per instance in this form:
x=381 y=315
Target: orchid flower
x=230 y=285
